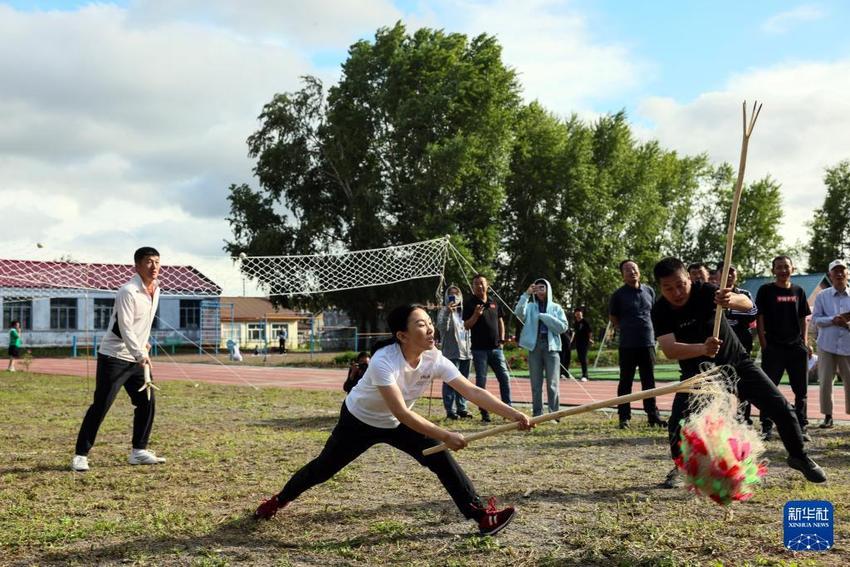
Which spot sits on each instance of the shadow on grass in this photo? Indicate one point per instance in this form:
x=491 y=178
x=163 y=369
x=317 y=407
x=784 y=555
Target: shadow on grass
x=604 y=442
x=308 y=422
x=247 y=534
x=44 y=467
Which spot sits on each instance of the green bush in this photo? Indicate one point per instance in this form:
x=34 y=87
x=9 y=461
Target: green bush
x=345 y=358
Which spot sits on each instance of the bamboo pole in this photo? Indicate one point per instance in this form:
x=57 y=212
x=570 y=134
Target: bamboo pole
x=689 y=385
x=733 y=213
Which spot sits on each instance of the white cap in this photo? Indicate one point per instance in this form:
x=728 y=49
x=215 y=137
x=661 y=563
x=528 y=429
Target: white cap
x=836 y=263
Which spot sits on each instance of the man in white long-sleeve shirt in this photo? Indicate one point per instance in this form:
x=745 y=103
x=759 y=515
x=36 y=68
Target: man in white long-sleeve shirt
x=832 y=316
x=121 y=362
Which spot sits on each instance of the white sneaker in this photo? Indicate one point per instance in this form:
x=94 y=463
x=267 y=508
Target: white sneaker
x=584 y=378
x=144 y=457
x=80 y=463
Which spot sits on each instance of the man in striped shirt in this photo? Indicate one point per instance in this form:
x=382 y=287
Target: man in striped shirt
x=832 y=315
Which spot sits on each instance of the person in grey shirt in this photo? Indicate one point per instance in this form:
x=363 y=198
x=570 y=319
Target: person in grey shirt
x=455 y=345
x=629 y=310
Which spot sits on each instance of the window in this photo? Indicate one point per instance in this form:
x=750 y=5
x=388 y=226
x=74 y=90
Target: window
x=102 y=312
x=190 y=313
x=256 y=331
x=277 y=329
x=17 y=310
x=63 y=313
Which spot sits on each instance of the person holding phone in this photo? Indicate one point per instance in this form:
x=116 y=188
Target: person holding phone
x=543 y=323
x=455 y=345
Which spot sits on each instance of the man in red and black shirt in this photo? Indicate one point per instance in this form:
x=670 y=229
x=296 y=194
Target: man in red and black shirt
x=782 y=331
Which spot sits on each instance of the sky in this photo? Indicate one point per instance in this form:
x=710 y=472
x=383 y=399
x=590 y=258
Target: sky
x=124 y=123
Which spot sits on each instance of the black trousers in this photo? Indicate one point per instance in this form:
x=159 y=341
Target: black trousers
x=351 y=438
x=755 y=387
x=642 y=358
x=113 y=374
x=793 y=359
x=581 y=351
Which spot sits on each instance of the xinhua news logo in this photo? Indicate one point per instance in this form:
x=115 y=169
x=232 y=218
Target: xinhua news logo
x=809 y=525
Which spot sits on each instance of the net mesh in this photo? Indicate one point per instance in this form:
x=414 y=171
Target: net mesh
x=299 y=275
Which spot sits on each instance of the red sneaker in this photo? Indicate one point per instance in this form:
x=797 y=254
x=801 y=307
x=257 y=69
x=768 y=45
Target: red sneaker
x=269 y=508
x=492 y=521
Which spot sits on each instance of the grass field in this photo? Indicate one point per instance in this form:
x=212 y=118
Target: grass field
x=587 y=493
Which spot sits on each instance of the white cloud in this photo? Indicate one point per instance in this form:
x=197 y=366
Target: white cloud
x=551 y=46
x=803 y=128
x=113 y=133
x=317 y=23
x=784 y=21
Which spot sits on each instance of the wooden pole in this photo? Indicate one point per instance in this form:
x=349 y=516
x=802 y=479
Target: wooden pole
x=688 y=385
x=733 y=213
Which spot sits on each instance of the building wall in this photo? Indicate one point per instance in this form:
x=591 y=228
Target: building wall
x=42 y=335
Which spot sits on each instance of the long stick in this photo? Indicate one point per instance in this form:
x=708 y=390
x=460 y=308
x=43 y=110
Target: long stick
x=684 y=385
x=733 y=213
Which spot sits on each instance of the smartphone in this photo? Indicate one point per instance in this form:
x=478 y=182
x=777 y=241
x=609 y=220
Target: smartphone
x=452 y=299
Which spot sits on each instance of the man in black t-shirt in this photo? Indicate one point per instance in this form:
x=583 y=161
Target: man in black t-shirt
x=783 y=330
x=484 y=318
x=684 y=321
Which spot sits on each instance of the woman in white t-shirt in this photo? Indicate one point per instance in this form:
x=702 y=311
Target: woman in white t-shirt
x=378 y=410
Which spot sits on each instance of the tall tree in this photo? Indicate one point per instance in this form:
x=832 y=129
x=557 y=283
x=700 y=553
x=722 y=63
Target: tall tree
x=411 y=144
x=830 y=229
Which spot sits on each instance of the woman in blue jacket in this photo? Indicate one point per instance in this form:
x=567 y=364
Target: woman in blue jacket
x=543 y=323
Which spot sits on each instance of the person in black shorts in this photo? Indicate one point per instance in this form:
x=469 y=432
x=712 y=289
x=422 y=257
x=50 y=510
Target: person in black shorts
x=783 y=335
x=14 y=343
x=684 y=321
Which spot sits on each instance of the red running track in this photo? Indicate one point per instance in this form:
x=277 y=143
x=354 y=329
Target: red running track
x=572 y=392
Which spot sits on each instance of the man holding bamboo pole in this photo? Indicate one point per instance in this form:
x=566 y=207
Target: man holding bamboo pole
x=683 y=320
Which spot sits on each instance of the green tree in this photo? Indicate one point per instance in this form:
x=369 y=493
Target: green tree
x=411 y=144
x=580 y=198
x=830 y=228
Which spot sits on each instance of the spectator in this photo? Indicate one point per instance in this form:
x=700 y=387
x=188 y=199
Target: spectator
x=454 y=342
x=783 y=336
x=698 y=272
x=583 y=339
x=832 y=315
x=14 y=344
x=629 y=311
x=543 y=323
x=485 y=321
x=356 y=370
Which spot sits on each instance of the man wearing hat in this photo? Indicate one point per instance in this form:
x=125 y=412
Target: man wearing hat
x=832 y=314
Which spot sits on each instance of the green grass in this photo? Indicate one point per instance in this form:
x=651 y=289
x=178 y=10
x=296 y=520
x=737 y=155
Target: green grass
x=587 y=493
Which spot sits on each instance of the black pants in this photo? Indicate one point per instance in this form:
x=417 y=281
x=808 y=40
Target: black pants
x=793 y=359
x=112 y=374
x=581 y=351
x=755 y=387
x=642 y=358
x=351 y=438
